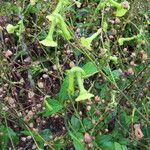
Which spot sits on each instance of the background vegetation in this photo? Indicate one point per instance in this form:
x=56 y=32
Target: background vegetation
x=38 y=110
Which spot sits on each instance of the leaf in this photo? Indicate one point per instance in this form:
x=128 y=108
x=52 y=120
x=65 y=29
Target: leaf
x=45 y=134
x=113 y=74
x=63 y=94
x=119 y=146
x=146 y=131
x=108 y=146
x=75 y=122
x=89 y=69
x=101 y=139
x=55 y=107
x=77 y=140
x=7 y=133
x=105 y=142
x=87 y=123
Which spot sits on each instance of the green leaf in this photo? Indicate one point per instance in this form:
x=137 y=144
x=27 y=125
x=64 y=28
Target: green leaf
x=105 y=142
x=146 y=131
x=87 y=123
x=101 y=5
x=55 y=107
x=75 y=122
x=101 y=139
x=63 y=93
x=77 y=137
x=124 y=147
x=117 y=146
x=6 y=134
x=45 y=134
x=108 y=146
x=89 y=69
x=115 y=74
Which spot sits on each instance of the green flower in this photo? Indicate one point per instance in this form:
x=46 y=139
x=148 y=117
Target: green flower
x=11 y=29
x=122 y=8
x=79 y=73
x=122 y=40
x=83 y=94
x=86 y=42
x=48 y=41
x=64 y=28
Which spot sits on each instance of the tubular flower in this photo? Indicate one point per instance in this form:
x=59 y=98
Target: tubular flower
x=86 y=42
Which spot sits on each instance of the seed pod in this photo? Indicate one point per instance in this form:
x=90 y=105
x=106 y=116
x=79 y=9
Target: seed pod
x=87 y=138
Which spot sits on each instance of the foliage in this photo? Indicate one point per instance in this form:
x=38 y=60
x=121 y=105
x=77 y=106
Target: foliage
x=74 y=74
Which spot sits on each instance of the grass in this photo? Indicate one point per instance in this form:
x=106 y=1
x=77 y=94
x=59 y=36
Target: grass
x=86 y=86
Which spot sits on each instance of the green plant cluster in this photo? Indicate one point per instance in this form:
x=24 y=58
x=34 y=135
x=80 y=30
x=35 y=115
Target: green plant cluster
x=74 y=75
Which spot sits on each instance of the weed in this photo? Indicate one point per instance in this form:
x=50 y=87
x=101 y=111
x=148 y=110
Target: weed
x=74 y=75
